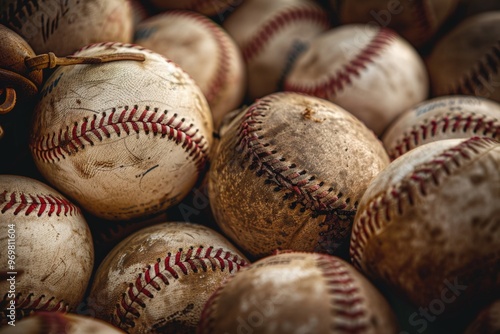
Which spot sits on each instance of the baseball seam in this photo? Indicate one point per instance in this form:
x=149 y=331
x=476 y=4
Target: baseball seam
x=29 y=305
x=173 y=266
x=423 y=15
x=449 y=123
x=36 y=203
x=378 y=215
x=251 y=48
x=54 y=147
x=301 y=188
x=480 y=76
x=347 y=303
x=332 y=84
x=219 y=80
x=15 y=13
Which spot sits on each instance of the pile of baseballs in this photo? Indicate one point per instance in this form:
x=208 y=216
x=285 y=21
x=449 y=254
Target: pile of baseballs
x=250 y=166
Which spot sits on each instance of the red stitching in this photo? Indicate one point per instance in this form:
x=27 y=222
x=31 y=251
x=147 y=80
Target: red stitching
x=54 y=147
x=32 y=304
x=377 y=214
x=449 y=123
x=302 y=189
x=306 y=12
x=422 y=14
x=220 y=78
x=480 y=75
x=169 y=269
x=39 y=204
x=332 y=84
x=347 y=302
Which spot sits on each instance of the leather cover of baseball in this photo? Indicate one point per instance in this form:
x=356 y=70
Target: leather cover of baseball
x=270 y=34
x=205 y=7
x=53 y=251
x=417 y=21
x=63 y=27
x=467 y=60
x=158 y=279
x=59 y=323
x=204 y=50
x=354 y=66
x=428 y=227
x=125 y=139
x=289 y=172
x=487 y=322
x=296 y=293
x=447 y=117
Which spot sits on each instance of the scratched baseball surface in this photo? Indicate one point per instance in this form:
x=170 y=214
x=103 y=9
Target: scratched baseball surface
x=124 y=139
x=148 y=148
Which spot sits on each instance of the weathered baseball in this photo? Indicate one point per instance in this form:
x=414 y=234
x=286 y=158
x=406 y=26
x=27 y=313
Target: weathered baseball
x=297 y=293
x=204 y=50
x=487 y=322
x=427 y=226
x=289 y=172
x=441 y=118
x=270 y=34
x=158 y=279
x=466 y=61
x=417 y=21
x=60 y=323
x=124 y=139
x=354 y=66
x=48 y=249
x=205 y=7
x=63 y=27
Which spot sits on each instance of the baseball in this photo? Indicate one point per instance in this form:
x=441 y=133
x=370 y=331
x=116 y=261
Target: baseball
x=296 y=293
x=158 y=279
x=354 y=66
x=124 y=139
x=60 y=323
x=466 y=60
x=63 y=27
x=441 y=118
x=487 y=322
x=417 y=21
x=204 y=50
x=48 y=249
x=427 y=226
x=270 y=34
x=205 y=7
x=288 y=174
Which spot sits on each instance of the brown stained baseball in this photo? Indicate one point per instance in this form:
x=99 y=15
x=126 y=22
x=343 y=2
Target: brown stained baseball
x=204 y=50
x=417 y=21
x=60 y=323
x=48 y=249
x=217 y=8
x=158 y=279
x=297 y=293
x=270 y=34
x=354 y=66
x=63 y=27
x=447 y=117
x=487 y=322
x=289 y=172
x=466 y=60
x=427 y=226
x=124 y=139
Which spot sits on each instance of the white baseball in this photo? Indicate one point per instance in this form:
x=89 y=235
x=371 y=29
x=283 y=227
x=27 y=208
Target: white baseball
x=125 y=139
x=371 y=72
x=63 y=27
x=204 y=50
x=49 y=246
x=441 y=118
x=269 y=33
